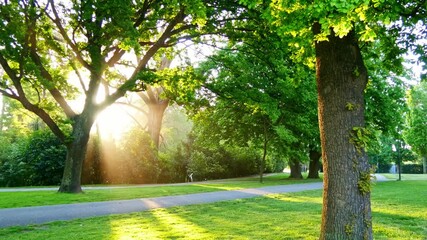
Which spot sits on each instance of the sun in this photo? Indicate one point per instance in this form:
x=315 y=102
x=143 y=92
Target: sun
x=114 y=121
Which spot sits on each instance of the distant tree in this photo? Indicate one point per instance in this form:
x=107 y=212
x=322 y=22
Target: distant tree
x=416 y=120
x=271 y=103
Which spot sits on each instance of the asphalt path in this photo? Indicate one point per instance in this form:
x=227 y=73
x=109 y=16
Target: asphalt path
x=43 y=214
x=36 y=189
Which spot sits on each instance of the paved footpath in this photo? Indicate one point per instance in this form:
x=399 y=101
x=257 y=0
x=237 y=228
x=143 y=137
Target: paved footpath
x=43 y=214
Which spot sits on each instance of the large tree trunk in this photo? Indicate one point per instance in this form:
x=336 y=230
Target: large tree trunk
x=341 y=79
x=157 y=105
x=76 y=152
x=295 y=166
x=314 y=165
x=156 y=110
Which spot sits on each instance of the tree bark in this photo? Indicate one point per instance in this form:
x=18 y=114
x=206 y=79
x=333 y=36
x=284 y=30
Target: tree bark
x=295 y=166
x=156 y=110
x=341 y=79
x=313 y=167
x=76 y=152
x=424 y=164
x=264 y=154
x=3 y=110
x=156 y=106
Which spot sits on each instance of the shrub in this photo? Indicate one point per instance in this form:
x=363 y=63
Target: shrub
x=36 y=160
x=412 y=168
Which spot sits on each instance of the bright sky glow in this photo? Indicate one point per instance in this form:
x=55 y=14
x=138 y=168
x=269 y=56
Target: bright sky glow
x=415 y=67
x=114 y=121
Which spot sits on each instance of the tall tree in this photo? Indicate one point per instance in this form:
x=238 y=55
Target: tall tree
x=272 y=104
x=336 y=28
x=42 y=41
x=416 y=120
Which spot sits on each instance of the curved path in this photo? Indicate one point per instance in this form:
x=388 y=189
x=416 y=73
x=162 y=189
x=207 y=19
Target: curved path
x=42 y=214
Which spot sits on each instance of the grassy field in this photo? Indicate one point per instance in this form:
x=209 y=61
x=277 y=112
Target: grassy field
x=405 y=176
x=38 y=198
x=399 y=211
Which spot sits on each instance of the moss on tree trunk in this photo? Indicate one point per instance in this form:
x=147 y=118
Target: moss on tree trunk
x=76 y=153
x=341 y=79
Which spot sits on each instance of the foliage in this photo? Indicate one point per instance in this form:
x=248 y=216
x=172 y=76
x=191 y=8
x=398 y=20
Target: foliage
x=223 y=162
x=254 y=90
x=198 y=156
x=132 y=160
x=364 y=184
x=175 y=128
x=34 y=161
x=359 y=138
x=416 y=132
x=412 y=168
x=174 y=165
x=385 y=105
x=137 y=159
x=386 y=21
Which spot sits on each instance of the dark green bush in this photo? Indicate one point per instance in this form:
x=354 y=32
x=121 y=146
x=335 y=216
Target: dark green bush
x=37 y=160
x=412 y=168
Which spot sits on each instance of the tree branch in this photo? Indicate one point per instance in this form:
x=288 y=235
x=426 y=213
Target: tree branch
x=56 y=94
x=120 y=92
x=9 y=95
x=132 y=106
x=21 y=97
x=64 y=34
x=142 y=12
x=145 y=98
x=82 y=84
x=45 y=117
x=166 y=34
x=117 y=55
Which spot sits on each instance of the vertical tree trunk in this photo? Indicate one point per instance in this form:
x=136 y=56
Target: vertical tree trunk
x=3 y=110
x=424 y=164
x=76 y=152
x=264 y=154
x=313 y=167
x=341 y=79
x=262 y=163
x=156 y=106
x=156 y=110
x=295 y=166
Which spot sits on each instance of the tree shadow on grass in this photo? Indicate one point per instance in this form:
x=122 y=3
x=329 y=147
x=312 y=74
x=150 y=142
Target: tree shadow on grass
x=272 y=217
x=399 y=226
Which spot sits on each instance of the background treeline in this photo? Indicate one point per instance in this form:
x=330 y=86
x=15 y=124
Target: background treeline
x=246 y=109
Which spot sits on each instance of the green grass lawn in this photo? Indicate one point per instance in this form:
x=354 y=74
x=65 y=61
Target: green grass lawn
x=399 y=211
x=38 y=198
x=405 y=176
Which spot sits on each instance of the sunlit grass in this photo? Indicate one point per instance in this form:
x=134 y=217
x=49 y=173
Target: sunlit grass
x=399 y=212
x=38 y=198
x=405 y=176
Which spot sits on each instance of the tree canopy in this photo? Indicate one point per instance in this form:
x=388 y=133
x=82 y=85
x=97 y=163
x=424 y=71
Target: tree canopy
x=416 y=133
x=42 y=44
